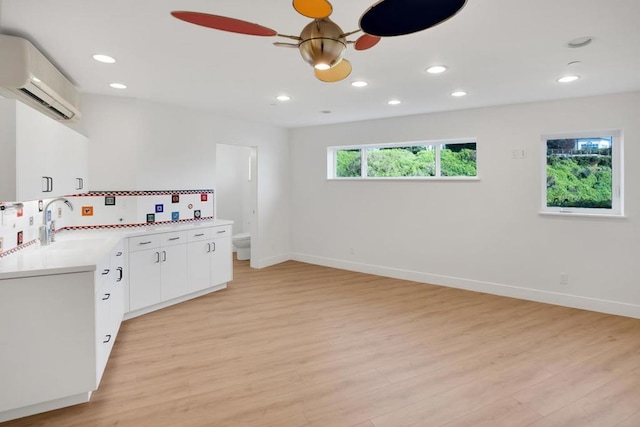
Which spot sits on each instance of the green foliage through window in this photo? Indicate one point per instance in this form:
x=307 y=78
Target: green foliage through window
x=446 y=160
x=579 y=173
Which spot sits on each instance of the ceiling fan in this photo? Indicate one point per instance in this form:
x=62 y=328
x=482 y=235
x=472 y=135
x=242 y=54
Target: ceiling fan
x=322 y=43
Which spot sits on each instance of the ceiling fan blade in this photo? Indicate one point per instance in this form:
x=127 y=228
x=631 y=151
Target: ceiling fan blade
x=399 y=17
x=281 y=44
x=224 y=23
x=338 y=72
x=366 y=41
x=315 y=9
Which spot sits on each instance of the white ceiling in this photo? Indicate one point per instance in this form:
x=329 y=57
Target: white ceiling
x=499 y=51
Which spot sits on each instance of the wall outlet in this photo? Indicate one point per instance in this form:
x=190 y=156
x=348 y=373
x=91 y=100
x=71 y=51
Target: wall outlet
x=564 y=278
x=518 y=154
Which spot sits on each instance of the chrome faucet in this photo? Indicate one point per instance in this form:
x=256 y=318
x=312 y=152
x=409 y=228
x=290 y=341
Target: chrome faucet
x=47 y=234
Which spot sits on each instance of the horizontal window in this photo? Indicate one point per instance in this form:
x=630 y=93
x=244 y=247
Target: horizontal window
x=583 y=173
x=434 y=159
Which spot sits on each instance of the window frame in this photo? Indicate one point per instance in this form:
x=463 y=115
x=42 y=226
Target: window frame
x=332 y=161
x=617 y=174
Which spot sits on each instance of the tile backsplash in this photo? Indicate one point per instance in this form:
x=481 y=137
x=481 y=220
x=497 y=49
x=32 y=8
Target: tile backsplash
x=20 y=221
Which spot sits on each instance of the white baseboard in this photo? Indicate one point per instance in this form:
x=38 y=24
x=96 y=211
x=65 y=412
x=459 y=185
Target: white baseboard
x=556 y=298
x=268 y=262
x=13 y=414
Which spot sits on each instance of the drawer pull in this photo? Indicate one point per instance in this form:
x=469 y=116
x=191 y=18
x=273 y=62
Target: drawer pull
x=223 y=231
x=108 y=338
x=118 y=253
x=174 y=238
x=199 y=235
x=105 y=271
x=120 y=275
x=106 y=297
x=145 y=243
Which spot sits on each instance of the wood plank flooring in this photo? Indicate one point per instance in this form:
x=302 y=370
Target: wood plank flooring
x=298 y=345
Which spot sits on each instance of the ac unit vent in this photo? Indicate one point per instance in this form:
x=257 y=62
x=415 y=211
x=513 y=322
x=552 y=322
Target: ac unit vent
x=44 y=104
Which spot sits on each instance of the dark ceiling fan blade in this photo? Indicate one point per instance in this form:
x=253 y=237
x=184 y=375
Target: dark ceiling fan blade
x=338 y=72
x=314 y=9
x=399 y=17
x=366 y=41
x=224 y=23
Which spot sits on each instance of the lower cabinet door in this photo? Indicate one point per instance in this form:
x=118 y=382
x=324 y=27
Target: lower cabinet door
x=144 y=278
x=221 y=261
x=198 y=266
x=173 y=262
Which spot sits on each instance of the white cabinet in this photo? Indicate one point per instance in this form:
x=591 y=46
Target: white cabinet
x=222 y=255
x=173 y=267
x=109 y=296
x=157 y=268
x=45 y=158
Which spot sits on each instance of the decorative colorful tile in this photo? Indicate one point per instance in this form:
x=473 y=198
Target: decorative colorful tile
x=189 y=206
x=86 y=211
x=203 y=197
x=175 y=216
x=151 y=217
x=20 y=239
x=196 y=213
x=175 y=198
x=109 y=200
x=159 y=208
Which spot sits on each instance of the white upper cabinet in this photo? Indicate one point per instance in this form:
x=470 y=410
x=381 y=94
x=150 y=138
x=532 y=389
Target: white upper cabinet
x=50 y=158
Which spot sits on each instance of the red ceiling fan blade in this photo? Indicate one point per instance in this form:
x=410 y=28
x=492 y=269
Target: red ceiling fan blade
x=399 y=17
x=314 y=9
x=224 y=23
x=366 y=41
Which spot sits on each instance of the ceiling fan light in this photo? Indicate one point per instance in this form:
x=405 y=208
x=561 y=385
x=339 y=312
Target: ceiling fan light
x=323 y=44
x=322 y=66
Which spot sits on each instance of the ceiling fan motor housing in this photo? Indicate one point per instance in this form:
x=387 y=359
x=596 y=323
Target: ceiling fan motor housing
x=323 y=43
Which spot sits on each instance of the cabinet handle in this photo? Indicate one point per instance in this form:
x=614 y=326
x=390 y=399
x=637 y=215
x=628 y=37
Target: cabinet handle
x=79 y=183
x=108 y=338
x=164 y=255
x=48 y=184
x=221 y=232
x=199 y=235
x=106 y=297
x=157 y=257
x=174 y=238
x=105 y=271
x=144 y=243
x=120 y=274
x=208 y=247
x=214 y=246
x=118 y=253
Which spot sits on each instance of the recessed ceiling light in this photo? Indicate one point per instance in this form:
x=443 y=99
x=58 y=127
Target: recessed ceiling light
x=118 y=86
x=436 y=69
x=580 y=42
x=568 y=79
x=394 y=102
x=283 y=98
x=104 y=58
x=458 y=93
x=359 y=83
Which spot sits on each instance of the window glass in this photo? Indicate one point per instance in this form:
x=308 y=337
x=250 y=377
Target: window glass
x=414 y=160
x=348 y=163
x=458 y=159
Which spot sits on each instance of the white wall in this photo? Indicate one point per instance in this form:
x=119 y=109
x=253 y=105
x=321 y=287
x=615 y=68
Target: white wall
x=485 y=235
x=141 y=145
x=233 y=186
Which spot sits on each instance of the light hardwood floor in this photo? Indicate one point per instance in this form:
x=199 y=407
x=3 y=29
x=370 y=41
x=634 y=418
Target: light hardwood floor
x=300 y=345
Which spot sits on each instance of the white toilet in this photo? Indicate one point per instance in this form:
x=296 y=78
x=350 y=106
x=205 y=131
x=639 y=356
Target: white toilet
x=242 y=243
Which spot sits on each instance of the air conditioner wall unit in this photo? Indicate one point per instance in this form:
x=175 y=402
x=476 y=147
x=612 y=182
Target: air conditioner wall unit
x=27 y=75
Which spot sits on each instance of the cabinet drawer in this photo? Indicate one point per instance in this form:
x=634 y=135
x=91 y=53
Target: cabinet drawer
x=222 y=231
x=140 y=243
x=176 y=238
x=198 y=235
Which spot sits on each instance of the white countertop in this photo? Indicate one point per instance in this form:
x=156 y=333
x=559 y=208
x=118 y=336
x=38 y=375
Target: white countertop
x=80 y=250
